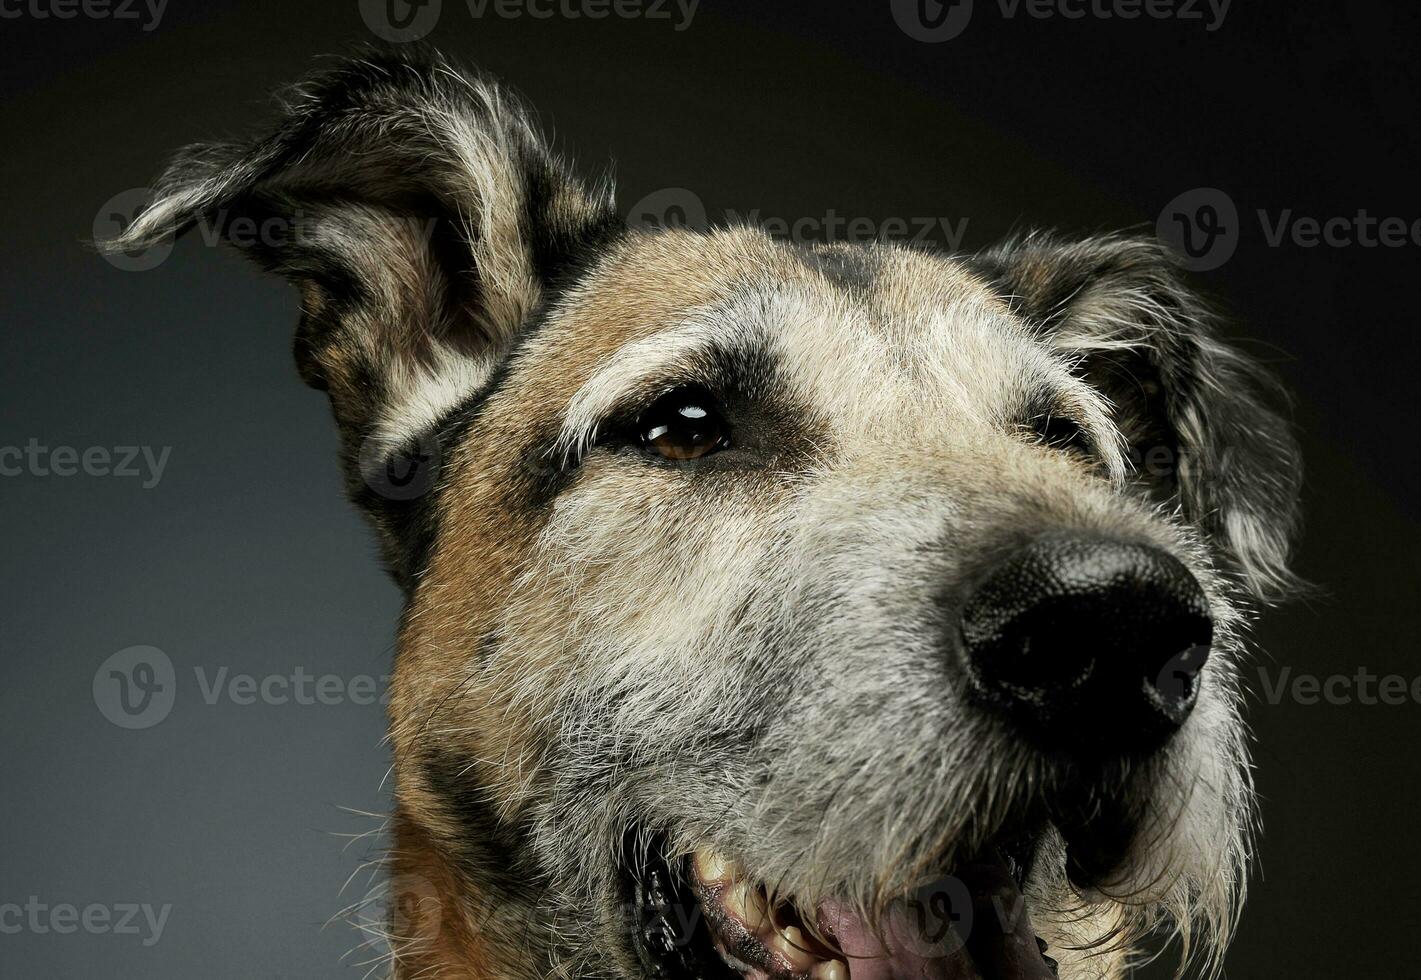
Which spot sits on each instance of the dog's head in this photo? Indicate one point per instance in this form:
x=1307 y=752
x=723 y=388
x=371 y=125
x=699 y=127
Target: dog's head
x=774 y=610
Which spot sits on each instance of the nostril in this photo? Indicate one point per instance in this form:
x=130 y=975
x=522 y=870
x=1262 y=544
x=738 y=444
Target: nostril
x=1176 y=685
x=1088 y=640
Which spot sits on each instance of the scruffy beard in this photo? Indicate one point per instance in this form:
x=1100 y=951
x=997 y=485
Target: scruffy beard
x=1181 y=877
x=810 y=820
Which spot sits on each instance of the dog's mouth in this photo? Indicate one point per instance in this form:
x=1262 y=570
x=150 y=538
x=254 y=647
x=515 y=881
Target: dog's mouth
x=709 y=920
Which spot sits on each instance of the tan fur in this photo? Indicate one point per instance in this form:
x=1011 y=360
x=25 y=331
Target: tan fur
x=902 y=338
x=603 y=656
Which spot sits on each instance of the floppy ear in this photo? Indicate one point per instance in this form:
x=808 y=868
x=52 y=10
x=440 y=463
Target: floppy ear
x=1197 y=414
x=422 y=217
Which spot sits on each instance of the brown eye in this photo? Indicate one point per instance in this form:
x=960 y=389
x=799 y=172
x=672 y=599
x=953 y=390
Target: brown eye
x=683 y=425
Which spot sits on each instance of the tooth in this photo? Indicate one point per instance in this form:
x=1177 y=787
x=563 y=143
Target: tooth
x=757 y=910
x=732 y=899
x=745 y=902
x=793 y=947
x=830 y=970
x=711 y=868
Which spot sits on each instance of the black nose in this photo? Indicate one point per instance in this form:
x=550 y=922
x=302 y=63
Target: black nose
x=1087 y=642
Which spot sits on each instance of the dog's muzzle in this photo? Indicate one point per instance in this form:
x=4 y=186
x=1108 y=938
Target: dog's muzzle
x=1088 y=644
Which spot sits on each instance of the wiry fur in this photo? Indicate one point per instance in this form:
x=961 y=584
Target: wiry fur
x=1118 y=303
x=601 y=654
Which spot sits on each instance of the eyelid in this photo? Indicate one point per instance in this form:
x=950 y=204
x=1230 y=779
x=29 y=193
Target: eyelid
x=709 y=346
x=1046 y=414
x=574 y=441
x=1088 y=410
x=630 y=410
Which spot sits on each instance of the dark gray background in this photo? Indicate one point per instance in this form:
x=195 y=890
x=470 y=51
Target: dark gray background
x=244 y=555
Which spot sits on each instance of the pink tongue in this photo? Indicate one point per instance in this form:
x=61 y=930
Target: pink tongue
x=923 y=938
x=909 y=953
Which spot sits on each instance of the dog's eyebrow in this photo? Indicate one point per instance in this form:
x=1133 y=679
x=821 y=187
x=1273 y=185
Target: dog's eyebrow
x=686 y=353
x=1078 y=401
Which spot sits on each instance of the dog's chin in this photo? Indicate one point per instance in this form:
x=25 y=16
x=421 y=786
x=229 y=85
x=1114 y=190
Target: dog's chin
x=707 y=919
x=704 y=916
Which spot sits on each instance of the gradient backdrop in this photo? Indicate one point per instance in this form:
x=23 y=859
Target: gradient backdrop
x=223 y=820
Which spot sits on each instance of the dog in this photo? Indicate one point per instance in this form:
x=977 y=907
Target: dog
x=773 y=610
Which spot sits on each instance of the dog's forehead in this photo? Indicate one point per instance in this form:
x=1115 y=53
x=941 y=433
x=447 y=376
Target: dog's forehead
x=837 y=321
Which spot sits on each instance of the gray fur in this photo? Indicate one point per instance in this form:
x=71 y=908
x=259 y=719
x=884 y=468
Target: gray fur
x=754 y=659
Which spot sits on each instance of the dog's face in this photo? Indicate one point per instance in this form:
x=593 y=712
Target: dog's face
x=776 y=610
